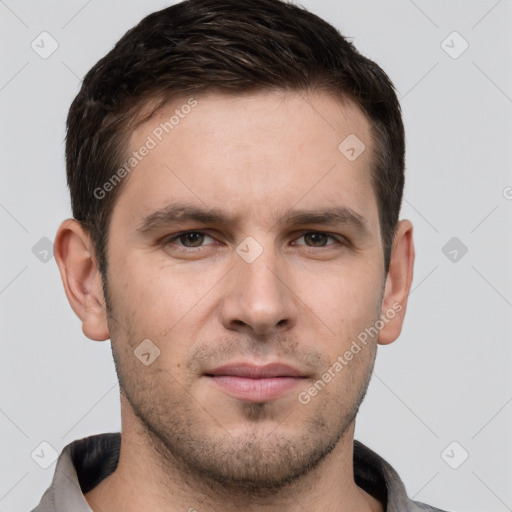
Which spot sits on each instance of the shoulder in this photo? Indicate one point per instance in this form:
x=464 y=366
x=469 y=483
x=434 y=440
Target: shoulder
x=422 y=507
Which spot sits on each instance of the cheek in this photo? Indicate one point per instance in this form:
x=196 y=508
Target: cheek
x=345 y=302
x=146 y=306
x=164 y=303
x=149 y=294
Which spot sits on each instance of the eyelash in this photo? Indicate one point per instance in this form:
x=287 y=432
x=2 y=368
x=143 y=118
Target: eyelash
x=171 y=239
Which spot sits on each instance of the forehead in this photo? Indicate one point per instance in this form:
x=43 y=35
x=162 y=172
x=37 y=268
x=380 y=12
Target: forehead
x=254 y=156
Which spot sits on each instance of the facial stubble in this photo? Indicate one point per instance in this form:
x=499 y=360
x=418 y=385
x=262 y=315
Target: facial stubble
x=190 y=441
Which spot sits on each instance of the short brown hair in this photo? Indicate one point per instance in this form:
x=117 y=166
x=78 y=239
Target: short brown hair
x=231 y=47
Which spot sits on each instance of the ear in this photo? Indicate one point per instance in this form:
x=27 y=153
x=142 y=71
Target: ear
x=398 y=284
x=81 y=278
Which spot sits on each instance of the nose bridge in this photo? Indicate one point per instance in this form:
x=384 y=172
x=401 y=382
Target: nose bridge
x=258 y=297
x=261 y=273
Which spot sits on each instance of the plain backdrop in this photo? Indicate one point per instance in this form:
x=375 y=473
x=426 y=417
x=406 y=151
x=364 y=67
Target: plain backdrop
x=441 y=393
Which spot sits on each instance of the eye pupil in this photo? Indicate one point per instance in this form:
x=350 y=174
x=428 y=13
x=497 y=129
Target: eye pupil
x=194 y=238
x=316 y=238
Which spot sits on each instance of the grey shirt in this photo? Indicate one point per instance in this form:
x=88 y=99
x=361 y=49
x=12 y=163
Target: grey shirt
x=84 y=463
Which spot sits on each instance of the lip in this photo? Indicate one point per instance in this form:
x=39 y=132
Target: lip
x=254 y=383
x=252 y=371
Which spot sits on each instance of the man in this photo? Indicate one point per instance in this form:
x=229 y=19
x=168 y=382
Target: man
x=236 y=172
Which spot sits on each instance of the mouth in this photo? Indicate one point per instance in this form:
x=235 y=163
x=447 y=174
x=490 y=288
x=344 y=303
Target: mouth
x=254 y=383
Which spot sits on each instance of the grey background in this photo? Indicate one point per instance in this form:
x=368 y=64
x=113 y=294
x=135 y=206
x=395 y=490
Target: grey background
x=446 y=379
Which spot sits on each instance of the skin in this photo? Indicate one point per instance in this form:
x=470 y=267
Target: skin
x=187 y=444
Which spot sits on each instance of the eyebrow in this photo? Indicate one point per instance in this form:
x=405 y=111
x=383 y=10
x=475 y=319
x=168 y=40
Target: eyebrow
x=181 y=212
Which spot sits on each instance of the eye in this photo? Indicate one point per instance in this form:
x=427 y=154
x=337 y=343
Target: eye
x=188 y=239
x=317 y=239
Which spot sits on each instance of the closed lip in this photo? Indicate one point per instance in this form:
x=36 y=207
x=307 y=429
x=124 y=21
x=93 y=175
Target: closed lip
x=252 y=371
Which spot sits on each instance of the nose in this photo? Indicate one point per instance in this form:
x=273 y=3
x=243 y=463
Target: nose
x=260 y=299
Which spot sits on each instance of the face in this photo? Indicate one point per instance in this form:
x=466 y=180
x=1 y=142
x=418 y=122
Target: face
x=245 y=246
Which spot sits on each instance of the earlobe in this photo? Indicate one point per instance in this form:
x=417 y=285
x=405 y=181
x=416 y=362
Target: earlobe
x=398 y=283
x=81 y=278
